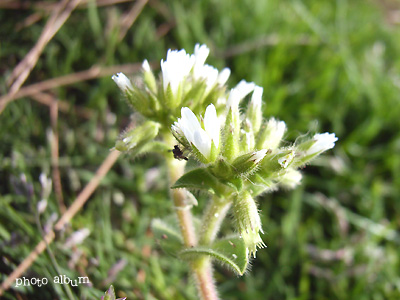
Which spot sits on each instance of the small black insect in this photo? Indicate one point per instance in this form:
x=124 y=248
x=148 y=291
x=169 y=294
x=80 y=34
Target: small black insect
x=178 y=154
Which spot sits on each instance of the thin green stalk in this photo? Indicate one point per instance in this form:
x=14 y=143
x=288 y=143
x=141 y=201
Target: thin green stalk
x=212 y=219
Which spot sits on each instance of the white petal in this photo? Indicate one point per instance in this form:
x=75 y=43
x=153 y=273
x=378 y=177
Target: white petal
x=146 y=66
x=202 y=142
x=244 y=88
x=176 y=67
x=256 y=98
x=259 y=155
x=201 y=54
x=323 y=142
x=211 y=124
x=122 y=81
x=223 y=76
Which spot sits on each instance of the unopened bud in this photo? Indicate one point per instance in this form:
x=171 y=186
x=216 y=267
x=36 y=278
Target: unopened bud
x=123 y=82
x=137 y=137
x=248 y=221
x=245 y=163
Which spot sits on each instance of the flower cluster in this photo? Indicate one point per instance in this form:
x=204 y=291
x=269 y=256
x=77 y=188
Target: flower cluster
x=185 y=81
x=238 y=151
x=242 y=151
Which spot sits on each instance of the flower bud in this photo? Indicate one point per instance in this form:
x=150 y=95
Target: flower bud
x=148 y=77
x=248 y=221
x=246 y=163
x=271 y=134
x=136 y=137
x=254 y=110
x=123 y=82
x=311 y=148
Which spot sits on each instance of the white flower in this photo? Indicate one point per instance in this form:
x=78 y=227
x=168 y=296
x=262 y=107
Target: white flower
x=207 y=73
x=274 y=133
x=200 y=54
x=189 y=127
x=122 y=81
x=223 y=76
x=256 y=98
x=322 y=142
x=254 y=111
x=176 y=67
x=238 y=93
x=146 y=66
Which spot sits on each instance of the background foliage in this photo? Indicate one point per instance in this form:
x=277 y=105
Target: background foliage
x=324 y=65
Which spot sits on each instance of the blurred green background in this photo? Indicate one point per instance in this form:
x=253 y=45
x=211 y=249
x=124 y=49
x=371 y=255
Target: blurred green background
x=324 y=66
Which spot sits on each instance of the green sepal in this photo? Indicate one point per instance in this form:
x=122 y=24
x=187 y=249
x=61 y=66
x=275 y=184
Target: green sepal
x=194 y=96
x=213 y=152
x=168 y=98
x=222 y=169
x=235 y=183
x=200 y=157
x=167 y=236
x=139 y=101
x=150 y=81
x=155 y=147
x=230 y=138
x=133 y=140
x=230 y=252
x=261 y=184
x=244 y=164
x=200 y=179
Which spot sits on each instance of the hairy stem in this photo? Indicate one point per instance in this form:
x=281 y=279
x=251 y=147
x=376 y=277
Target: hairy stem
x=176 y=170
x=201 y=268
x=212 y=219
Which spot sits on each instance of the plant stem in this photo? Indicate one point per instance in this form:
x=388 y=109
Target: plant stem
x=176 y=170
x=201 y=268
x=212 y=219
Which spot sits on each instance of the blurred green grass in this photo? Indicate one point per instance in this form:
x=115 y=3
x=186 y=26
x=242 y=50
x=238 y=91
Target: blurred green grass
x=324 y=65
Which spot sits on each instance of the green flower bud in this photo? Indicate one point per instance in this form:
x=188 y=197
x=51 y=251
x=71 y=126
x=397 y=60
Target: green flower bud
x=137 y=137
x=246 y=163
x=248 y=221
x=149 y=78
x=312 y=148
x=230 y=136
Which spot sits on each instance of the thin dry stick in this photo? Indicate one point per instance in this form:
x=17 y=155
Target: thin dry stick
x=66 y=217
x=129 y=18
x=43 y=5
x=21 y=72
x=93 y=72
x=55 y=155
x=63 y=106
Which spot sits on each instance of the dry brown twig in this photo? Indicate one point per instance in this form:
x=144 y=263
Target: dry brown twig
x=55 y=155
x=130 y=17
x=66 y=217
x=48 y=6
x=58 y=17
x=63 y=106
x=92 y=73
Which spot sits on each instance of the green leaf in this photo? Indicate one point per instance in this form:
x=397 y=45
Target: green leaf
x=167 y=236
x=235 y=183
x=110 y=295
x=230 y=251
x=200 y=179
